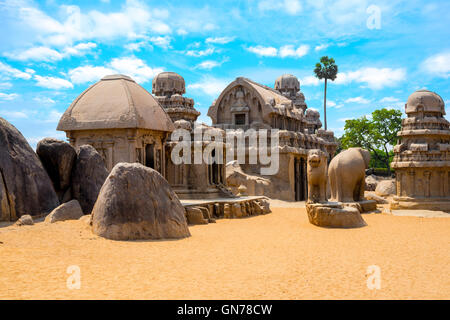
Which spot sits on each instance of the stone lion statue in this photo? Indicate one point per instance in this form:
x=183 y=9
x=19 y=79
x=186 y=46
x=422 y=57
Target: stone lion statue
x=317 y=176
x=347 y=175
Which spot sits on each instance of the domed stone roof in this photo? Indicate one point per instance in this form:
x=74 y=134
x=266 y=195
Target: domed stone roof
x=287 y=82
x=167 y=84
x=115 y=102
x=428 y=100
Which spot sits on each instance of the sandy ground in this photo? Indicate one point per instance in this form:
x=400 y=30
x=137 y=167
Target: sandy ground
x=275 y=256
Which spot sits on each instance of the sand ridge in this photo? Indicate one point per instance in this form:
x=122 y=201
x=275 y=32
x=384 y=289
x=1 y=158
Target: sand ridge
x=275 y=256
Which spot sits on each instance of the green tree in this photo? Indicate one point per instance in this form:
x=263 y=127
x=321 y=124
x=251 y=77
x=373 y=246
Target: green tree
x=326 y=69
x=378 y=135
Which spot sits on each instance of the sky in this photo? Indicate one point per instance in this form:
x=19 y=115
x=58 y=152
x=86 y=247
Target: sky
x=51 y=51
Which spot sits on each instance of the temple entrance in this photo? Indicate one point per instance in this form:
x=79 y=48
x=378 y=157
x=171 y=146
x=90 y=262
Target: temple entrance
x=150 y=155
x=300 y=179
x=214 y=170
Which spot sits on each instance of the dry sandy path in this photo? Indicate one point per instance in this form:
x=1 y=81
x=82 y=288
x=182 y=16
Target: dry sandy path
x=275 y=256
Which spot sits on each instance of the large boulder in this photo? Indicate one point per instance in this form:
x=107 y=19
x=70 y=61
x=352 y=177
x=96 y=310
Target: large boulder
x=371 y=183
x=88 y=176
x=386 y=188
x=25 y=187
x=334 y=215
x=136 y=202
x=58 y=158
x=67 y=211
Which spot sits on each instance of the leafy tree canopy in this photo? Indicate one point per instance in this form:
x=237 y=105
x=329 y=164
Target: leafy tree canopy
x=326 y=68
x=378 y=134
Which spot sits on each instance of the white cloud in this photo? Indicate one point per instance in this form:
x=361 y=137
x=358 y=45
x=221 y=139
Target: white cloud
x=321 y=47
x=42 y=53
x=13 y=72
x=8 y=96
x=182 y=32
x=220 y=40
x=438 y=65
x=130 y=66
x=135 y=68
x=290 y=51
x=44 y=100
x=53 y=116
x=357 y=100
x=5 y=85
x=283 y=52
x=209 y=86
x=389 y=99
x=136 y=46
x=163 y=42
x=133 y=19
x=309 y=81
x=374 y=78
x=52 y=82
x=80 y=49
x=13 y=114
x=200 y=53
x=291 y=7
x=264 y=51
x=88 y=74
x=208 y=64
x=36 y=54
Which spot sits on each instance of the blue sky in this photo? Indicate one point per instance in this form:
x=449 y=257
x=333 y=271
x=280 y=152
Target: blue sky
x=50 y=51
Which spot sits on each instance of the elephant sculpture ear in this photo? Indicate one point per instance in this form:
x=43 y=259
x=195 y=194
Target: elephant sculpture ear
x=366 y=156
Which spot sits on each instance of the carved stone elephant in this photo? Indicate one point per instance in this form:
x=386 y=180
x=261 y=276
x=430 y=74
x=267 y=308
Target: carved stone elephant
x=317 y=176
x=346 y=174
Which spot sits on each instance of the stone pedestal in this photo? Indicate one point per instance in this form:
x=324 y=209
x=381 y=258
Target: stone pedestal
x=334 y=215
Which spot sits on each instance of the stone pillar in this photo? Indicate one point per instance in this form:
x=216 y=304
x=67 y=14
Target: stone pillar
x=412 y=183
x=427 y=175
x=399 y=176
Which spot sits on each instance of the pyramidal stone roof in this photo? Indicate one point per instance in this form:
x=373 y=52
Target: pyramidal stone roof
x=115 y=102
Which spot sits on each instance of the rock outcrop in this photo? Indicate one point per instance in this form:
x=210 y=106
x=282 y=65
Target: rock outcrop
x=334 y=216
x=371 y=183
x=88 y=176
x=25 y=187
x=58 y=158
x=136 y=202
x=386 y=188
x=67 y=211
x=25 y=220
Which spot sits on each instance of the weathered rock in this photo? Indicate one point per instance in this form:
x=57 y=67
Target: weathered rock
x=25 y=220
x=194 y=215
x=386 y=188
x=25 y=187
x=372 y=196
x=334 y=215
x=88 y=176
x=87 y=218
x=371 y=183
x=67 y=211
x=136 y=202
x=58 y=158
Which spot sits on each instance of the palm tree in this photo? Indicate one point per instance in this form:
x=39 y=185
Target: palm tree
x=326 y=69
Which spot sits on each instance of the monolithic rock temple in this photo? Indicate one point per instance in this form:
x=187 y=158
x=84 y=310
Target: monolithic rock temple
x=245 y=104
x=125 y=123
x=422 y=155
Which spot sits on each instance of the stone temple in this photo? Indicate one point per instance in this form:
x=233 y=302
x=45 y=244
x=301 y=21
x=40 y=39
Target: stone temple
x=121 y=120
x=422 y=156
x=245 y=104
x=125 y=123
